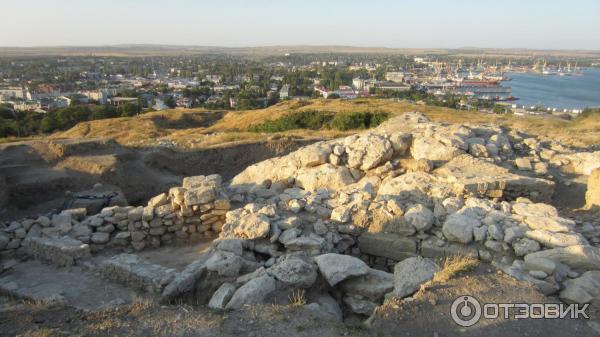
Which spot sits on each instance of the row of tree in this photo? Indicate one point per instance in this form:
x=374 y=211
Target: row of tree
x=27 y=123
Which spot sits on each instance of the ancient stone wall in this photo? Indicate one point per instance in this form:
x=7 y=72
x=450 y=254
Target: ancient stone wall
x=189 y=213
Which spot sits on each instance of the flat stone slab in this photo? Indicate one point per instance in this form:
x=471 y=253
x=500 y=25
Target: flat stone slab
x=73 y=286
x=474 y=177
x=134 y=271
x=388 y=245
x=58 y=251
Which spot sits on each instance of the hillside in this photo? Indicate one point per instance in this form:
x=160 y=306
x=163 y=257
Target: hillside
x=200 y=128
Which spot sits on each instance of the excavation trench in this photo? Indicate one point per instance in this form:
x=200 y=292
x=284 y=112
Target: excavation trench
x=37 y=177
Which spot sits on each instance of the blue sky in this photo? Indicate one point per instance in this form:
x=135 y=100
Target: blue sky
x=573 y=24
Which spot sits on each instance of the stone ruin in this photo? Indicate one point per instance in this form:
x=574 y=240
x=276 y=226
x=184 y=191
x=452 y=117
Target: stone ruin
x=351 y=221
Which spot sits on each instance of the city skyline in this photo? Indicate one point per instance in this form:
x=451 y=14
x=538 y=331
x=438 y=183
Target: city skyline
x=234 y=23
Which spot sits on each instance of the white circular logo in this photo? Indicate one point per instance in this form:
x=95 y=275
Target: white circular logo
x=466 y=311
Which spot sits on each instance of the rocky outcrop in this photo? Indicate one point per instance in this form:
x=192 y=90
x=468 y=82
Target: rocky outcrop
x=592 y=196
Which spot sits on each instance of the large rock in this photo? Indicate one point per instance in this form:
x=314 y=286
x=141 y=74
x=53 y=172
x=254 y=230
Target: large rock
x=200 y=195
x=390 y=245
x=59 y=251
x=313 y=155
x=420 y=217
x=535 y=210
x=416 y=188
x=252 y=226
x=294 y=272
x=592 y=196
x=411 y=273
x=459 y=228
x=253 y=292
x=336 y=267
x=577 y=257
x=582 y=162
x=328 y=306
x=134 y=271
x=553 y=240
x=222 y=296
x=225 y=264
x=185 y=281
x=359 y=304
x=471 y=176
x=369 y=151
x=433 y=149
x=584 y=289
x=559 y=225
x=324 y=176
x=373 y=285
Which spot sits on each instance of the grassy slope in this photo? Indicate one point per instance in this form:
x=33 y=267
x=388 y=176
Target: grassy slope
x=202 y=128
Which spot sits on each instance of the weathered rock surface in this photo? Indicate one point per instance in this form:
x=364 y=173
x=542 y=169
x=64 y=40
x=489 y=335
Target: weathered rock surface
x=584 y=289
x=253 y=292
x=373 y=285
x=222 y=296
x=294 y=272
x=411 y=273
x=136 y=272
x=336 y=268
x=578 y=257
x=592 y=196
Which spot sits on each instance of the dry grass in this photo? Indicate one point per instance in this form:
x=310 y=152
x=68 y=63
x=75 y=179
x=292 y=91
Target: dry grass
x=297 y=298
x=43 y=332
x=140 y=305
x=454 y=265
x=36 y=305
x=201 y=128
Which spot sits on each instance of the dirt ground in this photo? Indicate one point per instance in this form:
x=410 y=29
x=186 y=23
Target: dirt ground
x=428 y=314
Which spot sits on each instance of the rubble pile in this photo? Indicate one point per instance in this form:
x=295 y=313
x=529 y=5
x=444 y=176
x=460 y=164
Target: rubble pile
x=353 y=221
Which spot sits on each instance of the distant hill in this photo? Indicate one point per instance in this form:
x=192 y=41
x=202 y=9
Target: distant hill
x=202 y=128
x=165 y=50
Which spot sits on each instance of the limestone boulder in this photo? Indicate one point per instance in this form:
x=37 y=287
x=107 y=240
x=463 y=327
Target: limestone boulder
x=582 y=290
x=324 y=176
x=409 y=274
x=577 y=257
x=222 y=296
x=369 y=151
x=253 y=292
x=535 y=210
x=294 y=272
x=251 y=226
x=336 y=268
x=433 y=149
x=553 y=240
x=459 y=228
x=419 y=217
x=373 y=285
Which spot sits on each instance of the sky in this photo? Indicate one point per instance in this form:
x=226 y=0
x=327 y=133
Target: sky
x=534 y=24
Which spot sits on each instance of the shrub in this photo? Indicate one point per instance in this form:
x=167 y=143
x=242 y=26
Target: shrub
x=358 y=120
x=313 y=120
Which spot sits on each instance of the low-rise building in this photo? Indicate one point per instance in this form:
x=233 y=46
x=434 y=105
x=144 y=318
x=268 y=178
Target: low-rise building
x=394 y=76
x=284 y=93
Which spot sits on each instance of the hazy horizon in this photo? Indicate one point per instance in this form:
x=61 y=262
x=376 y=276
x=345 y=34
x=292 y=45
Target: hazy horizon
x=559 y=25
